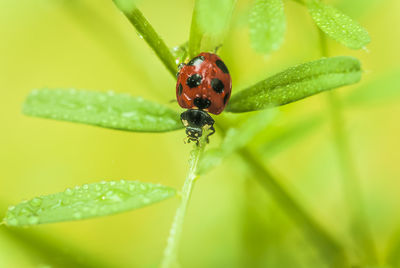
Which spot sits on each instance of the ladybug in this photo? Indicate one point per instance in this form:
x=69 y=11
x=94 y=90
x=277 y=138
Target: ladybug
x=203 y=86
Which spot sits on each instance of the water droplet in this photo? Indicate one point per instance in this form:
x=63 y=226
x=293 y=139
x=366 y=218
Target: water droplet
x=12 y=221
x=85 y=186
x=24 y=212
x=98 y=187
x=132 y=187
x=122 y=182
x=36 y=202
x=69 y=192
x=33 y=220
x=140 y=36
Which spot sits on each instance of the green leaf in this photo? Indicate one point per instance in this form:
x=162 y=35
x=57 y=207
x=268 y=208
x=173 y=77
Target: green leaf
x=383 y=89
x=236 y=139
x=88 y=201
x=267 y=25
x=337 y=25
x=210 y=19
x=196 y=35
x=214 y=16
x=104 y=109
x=297 y=83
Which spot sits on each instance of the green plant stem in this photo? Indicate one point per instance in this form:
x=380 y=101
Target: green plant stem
x=171 y=251
x=329 y=249
x=147 y=32
x=351 y=185
x=195 y=35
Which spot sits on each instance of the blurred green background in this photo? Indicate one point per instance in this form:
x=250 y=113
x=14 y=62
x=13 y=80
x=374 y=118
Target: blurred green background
x=231 y=222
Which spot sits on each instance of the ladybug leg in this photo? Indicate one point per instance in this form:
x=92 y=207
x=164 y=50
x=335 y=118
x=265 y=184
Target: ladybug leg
x=186 y=140
x=212 y=131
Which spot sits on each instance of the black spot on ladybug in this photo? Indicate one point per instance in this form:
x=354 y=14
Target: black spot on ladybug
x=222 y=66
x=202 y=103
x=196 y=60
x=194 y=80
x=217 y=85
x=180 y=89
x=226 y=98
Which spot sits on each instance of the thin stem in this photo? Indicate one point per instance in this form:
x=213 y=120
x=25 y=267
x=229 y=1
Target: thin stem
x=171 y=251
x=351 y=185
x=330 y=250
x=147 y=32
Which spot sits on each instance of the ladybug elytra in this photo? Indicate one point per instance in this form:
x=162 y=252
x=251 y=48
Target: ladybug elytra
x=203 y=86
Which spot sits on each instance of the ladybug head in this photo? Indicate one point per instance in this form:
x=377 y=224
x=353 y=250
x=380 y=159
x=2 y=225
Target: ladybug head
x=195 y=122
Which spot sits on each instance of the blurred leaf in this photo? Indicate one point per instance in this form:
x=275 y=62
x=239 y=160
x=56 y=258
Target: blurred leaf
x=213 y=16
x=236 y=139
x=267 y=25
x=383 y=89
x=52 y=251
x=337 y=25
x=88 y=201
x=290 y=134
x=210 y=19
x=196 y=35
x=110 y=110
x=297 y=83
x=147 y=32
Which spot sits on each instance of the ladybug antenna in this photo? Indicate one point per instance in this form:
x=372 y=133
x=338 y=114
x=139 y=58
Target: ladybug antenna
x=217 y=48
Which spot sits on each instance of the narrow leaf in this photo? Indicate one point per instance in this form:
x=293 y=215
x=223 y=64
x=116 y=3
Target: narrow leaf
x=337 y=25
x=196 y=35
x=105 y=109
x=267 y=25
x=383 y=89
x=236 y=139
x=88 y=201
x=213 y=16
x=297 y=83
x=210 y=19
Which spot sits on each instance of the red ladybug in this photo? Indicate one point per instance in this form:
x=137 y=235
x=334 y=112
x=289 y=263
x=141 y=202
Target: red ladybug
x=204 y=86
